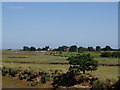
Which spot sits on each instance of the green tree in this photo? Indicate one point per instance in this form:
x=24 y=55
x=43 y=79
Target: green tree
x=107 y=48
x=46 y=48
x=32 y=48
x=90 y=49
x=82 y=49
x=25 y=48
x=98 y=48
x=82 y=63
x=73 y=48
x=62 y=48
x=39 y=49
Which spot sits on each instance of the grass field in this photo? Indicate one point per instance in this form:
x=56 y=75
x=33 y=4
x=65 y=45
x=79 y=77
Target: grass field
x=38 y=57
x=104 y=72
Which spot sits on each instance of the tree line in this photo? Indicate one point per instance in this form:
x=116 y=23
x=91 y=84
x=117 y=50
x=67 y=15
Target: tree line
x=72 y=48
x=26 y=48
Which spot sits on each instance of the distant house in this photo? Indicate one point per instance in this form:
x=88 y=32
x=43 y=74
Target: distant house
x=67 y=49
x=50 y=49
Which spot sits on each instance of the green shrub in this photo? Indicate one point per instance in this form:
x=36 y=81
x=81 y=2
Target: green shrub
x=106 y=54
x=99 y=85
x=13 y=72
x=116 y=54
x=5 y=71
x=111 y=54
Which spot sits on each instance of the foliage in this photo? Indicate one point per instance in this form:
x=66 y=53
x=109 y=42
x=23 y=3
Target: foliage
x=115 y=54
x=65 y=79
x=106 y=54
x=98 y=48
x=82 y=49
x=62 y=48
x=32 y=48
x=90 y=49
x=116 y=86
x=83 y=62
x=45 y=48
x=25 y=48
x=73 y=48
x=39 y=49
x=70 y=78
x=99 y=85
x=107 y=48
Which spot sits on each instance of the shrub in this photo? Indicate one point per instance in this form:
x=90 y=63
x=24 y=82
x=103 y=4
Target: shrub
x=116 y=54
x=5 y=71
x=106 y=54
x=111 y=54
x=66 y=79
x=99 y=85
x=13 y=72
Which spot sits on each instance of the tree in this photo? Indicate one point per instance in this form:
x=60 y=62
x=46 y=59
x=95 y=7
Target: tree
x=46 y=48
x=90 y=49
x=82 y=62
x=62 y=48
x=39 y=49
x=32 y=48
x=73 y=48
x=82 y=49
x=98 y=48
x=25 y=48
x=107 y=48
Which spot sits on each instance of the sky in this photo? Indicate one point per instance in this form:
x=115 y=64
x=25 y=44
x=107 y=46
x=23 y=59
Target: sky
x=62 y=23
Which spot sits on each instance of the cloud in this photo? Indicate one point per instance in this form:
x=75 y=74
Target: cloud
x=16 y=7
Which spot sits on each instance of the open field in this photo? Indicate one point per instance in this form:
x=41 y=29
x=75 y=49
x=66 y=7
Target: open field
x=35 y=57
x=40 y=57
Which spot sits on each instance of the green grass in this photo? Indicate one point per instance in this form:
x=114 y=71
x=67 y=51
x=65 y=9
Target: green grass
x=103 y=72
x=36 y=67
x=106 y=72
x=102 y=60
x=36 y=57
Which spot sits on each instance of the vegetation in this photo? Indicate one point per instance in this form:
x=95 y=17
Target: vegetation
x=62 y=48
x=111 y=54
x=56 y=68
x=98 y=48
x=73 y=48
x=82 y=63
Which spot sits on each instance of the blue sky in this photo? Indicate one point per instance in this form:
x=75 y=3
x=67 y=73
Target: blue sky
x=56 y=24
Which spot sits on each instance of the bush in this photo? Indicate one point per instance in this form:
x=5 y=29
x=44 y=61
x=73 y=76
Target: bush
x=98 y=85
x=13 y=72
x=5 y=71
x=106 y=54
x=116 y=54
x=116 y=86
x=66 y=79
x=111 y=54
